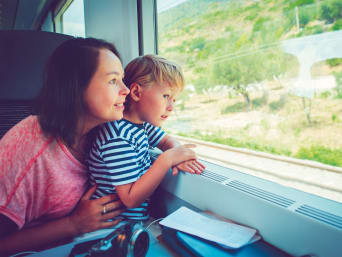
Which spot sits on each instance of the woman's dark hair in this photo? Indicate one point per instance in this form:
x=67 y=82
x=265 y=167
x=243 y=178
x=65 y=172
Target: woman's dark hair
x=67 y=75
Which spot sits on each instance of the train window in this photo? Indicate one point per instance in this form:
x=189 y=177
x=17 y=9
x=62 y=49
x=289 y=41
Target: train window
x=70 y=18
x=264 y=76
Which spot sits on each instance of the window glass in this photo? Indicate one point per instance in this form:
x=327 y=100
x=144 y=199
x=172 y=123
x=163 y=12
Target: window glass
x=263 y=75
x=73 y=19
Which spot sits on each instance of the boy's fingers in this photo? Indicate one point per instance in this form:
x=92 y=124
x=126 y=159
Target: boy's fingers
x=194 y=168
x=198 y=165
x=89 y=193
x=174 y=171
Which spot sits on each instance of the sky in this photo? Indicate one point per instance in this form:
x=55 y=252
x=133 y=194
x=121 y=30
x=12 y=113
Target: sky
x=163 y=5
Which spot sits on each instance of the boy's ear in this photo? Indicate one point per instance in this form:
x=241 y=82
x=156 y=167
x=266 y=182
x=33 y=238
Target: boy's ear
x=135 y=92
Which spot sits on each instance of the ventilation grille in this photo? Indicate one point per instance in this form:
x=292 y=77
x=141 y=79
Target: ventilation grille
x=320 y=215
x=270 y=197
x=11 y=112
x=214 y=176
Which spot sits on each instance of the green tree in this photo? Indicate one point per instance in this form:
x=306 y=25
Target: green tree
x=331 y=11
x=239 y=72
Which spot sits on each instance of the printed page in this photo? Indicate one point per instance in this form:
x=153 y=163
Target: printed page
x=191 y=222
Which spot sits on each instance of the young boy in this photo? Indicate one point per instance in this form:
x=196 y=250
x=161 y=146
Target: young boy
x=119 y=161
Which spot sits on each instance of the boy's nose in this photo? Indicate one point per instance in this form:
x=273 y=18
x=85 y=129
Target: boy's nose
x=170 y=106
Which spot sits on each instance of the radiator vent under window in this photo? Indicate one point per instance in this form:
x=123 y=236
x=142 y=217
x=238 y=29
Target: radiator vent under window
x=320 y=215
x=217 y=177
x=271 y=197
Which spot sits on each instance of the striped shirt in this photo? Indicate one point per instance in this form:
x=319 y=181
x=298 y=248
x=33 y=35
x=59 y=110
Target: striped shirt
x=120 y=156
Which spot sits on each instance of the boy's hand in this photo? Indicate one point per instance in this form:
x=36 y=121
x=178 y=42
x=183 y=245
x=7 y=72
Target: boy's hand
x=181 y=153
x=192 y=166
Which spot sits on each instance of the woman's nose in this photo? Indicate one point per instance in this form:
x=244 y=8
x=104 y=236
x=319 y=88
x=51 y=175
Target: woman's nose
x=124 y=90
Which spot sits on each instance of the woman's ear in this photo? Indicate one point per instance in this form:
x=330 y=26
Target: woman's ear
x=135 y=92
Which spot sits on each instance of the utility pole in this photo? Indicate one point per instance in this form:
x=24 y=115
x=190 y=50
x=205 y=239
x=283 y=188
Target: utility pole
x=297 y=18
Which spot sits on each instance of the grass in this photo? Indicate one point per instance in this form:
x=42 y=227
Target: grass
x=234 y=142
x=237 y=107
x=321 y=154
x=316 y=153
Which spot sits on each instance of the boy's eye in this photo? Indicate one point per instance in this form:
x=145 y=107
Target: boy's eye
x=166 y=96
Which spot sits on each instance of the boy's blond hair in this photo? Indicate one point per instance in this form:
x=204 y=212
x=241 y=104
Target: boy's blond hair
x=149 y=69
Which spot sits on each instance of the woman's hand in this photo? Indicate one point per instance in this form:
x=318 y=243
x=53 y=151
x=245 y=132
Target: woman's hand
x=91 y=215
x=192 y=166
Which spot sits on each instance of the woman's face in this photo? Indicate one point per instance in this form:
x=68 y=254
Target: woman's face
x=106 y=92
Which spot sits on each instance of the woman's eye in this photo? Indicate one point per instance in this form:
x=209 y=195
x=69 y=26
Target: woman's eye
x=166 y=96
x=113 y=82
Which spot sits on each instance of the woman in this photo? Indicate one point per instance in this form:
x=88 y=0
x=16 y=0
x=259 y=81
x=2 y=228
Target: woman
x=42 y=171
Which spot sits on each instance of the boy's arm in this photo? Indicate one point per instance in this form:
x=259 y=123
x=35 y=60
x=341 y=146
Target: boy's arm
x=167 y=142
x=133 y=194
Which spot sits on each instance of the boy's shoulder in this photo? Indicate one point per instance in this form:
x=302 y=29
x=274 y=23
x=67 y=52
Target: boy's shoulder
x=118 y=130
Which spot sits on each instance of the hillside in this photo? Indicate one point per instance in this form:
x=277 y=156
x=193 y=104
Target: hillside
x=203 y=35
x=242 y=80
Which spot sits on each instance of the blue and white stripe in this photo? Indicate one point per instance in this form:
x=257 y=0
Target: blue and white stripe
x=120 y=156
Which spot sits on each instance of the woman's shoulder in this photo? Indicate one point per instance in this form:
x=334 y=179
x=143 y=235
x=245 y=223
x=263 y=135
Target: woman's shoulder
x=23 y=138
x=28 y=127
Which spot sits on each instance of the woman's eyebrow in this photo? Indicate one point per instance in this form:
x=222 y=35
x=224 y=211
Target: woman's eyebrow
x=113 y=72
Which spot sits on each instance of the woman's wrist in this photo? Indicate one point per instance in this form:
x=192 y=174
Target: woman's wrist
x=73 y=229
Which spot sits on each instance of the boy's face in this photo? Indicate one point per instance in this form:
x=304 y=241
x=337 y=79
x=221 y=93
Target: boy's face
x=156 y=103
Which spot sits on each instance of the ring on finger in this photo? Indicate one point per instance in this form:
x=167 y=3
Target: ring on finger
x=104 y=209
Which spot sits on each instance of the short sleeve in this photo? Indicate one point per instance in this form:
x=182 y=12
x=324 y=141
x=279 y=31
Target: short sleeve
x=120 y=163
x=13 y=206
x=154 y=134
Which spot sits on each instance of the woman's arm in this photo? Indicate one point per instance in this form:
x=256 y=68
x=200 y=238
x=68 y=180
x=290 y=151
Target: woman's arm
x=86 y=217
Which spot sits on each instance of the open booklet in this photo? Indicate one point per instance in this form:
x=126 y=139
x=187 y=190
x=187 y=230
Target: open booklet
x=226 y=234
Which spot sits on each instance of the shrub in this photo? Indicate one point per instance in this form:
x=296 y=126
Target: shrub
x=334 y=62
x=337 y=25
x=331 y=11
x=321 y=154
x=260 y=23
x=238 y=107
x=300 y=3
x=277 y=105
x=338 y=77
x=325 y=94
x=261 y=101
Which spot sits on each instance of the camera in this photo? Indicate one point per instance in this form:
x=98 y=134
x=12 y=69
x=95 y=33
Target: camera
x=130 y=239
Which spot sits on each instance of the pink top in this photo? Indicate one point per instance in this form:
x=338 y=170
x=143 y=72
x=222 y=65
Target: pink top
x=39 y=178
